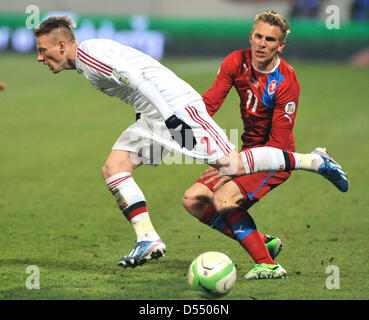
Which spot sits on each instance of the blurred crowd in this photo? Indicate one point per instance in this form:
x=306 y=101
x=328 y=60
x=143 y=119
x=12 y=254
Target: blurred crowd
x=360 y=10
x=309 y=9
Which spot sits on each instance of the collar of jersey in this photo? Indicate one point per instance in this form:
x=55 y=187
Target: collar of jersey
x=270 y=71
x=77 y=61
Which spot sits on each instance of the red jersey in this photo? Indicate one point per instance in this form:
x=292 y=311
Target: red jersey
x=269 y=100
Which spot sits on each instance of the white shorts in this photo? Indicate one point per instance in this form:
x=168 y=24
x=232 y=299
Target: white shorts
x=149 y=140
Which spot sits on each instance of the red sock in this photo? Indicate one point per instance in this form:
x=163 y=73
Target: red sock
x=244 y=229
x=263 y=236
x=211 y=218
x=256 y=248
x=208 y=217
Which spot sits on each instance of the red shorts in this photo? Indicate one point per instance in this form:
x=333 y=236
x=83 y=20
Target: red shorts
x=254 y=186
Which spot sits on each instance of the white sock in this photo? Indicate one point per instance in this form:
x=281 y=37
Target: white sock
x=269 y=159
x=308 y=162
x=132 y=203
x=263 y=159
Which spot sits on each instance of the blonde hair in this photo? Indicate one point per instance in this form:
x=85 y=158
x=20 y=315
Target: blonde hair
x=64 y=24
x=275 y=19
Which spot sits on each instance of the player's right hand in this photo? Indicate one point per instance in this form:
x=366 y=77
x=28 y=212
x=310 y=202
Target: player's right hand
x=181 y=132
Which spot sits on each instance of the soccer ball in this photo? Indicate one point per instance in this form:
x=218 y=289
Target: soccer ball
x=212 y=274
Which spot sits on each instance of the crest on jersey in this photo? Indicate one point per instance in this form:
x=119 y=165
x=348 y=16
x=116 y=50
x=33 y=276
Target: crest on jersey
x=274 y=80
x=290 y=107
x=272 y=86
x=123 y=78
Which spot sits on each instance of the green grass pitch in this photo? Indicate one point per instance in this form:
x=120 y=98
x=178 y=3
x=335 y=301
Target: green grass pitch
x=56 y=213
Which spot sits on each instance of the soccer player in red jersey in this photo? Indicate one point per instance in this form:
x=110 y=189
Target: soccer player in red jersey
x=269 y=95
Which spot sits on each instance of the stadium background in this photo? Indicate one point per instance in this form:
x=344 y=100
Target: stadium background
x=56 y=212
x=207 y=27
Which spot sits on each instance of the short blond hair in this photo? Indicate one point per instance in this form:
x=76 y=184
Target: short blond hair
x=275 y=19
x=64 y=24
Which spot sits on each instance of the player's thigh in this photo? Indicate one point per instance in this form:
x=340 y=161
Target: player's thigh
x=227 y=197
x=255 y=186
x=119 y=161
x=196 y=199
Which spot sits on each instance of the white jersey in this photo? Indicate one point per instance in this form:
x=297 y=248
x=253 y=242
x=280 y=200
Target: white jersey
x=133 y=77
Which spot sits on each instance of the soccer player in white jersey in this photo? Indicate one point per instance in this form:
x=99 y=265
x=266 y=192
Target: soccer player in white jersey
x=172 y=117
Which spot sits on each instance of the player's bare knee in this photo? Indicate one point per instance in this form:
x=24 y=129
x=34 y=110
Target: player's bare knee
x=195 y=203
x=227 y=197
x=218 y=204
x=188 y=203
x=117 y=162
x=105 y=171
x=222 y=204
x=110 y=169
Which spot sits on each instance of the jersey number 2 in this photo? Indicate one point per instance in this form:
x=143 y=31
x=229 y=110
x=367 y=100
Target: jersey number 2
x=207 y=141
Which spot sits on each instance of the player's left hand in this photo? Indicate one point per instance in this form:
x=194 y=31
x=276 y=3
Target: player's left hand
x=223 y=180
x=214 y=174
x=181 y=132
x=211 y=171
